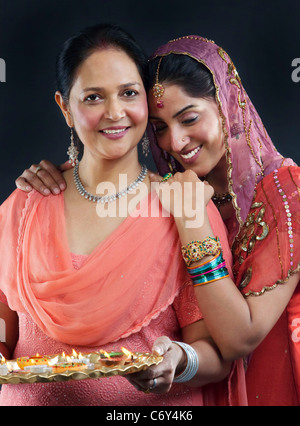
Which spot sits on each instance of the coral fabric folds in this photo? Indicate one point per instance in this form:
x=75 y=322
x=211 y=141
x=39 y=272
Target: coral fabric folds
x=128 y=279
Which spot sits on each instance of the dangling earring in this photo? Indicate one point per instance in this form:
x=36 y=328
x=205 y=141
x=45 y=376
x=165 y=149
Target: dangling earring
x=73 y=151
x=145 y=145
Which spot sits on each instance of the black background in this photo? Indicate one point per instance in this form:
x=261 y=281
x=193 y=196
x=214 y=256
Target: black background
x=262 y=38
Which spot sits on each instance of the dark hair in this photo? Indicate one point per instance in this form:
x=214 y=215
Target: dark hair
x=194 y=78
x=79 y=47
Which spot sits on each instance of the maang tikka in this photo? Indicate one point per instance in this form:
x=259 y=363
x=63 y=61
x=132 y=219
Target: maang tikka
x=73 y=151
x=158 y=89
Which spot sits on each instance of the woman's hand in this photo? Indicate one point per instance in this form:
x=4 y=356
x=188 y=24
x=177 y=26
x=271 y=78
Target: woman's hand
x=185 y=196
x=159 y=378
x=45 y=177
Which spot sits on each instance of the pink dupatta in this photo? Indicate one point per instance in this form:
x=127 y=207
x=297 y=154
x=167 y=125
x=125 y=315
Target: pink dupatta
x=250 y=152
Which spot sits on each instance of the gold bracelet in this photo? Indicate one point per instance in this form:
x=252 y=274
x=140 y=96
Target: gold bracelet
x=196 y=250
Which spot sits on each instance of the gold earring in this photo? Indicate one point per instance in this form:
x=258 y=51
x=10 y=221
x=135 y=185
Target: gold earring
x=73 y=151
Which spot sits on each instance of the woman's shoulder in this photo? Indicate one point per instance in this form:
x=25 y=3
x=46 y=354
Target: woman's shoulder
x=282 y=184
x=19 y=200
x=269 y=239
x=286 y=176
x=19 y=197
x=15 y=199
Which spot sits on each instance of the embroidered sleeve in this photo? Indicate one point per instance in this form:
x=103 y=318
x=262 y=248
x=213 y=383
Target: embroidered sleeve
x=186 y=306
x=266 y=251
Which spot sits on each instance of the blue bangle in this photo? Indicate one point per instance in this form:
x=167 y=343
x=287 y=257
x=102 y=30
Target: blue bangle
x=210 y=271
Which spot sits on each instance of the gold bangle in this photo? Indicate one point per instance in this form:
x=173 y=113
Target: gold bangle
x=196 y=250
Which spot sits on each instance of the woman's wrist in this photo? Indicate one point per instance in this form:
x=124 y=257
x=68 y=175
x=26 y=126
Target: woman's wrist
x=181 y=366
x=199 y=233
x=191 y=364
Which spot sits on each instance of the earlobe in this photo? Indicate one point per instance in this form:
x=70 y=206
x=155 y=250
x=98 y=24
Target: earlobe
x=64 y=108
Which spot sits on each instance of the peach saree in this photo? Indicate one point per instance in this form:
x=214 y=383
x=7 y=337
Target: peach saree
x=121 y=289
x=122 y=285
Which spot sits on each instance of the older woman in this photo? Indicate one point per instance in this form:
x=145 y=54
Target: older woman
x=74 y=276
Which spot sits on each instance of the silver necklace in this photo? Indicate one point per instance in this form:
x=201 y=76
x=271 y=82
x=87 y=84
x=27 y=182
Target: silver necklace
x=107 y=198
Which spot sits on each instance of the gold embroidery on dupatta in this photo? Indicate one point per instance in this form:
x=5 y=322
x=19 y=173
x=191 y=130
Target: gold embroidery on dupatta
x=249 y=235
x=276 y=227
x=246 y=278
x=250 y=232
x=279 y=282
x=192 y=38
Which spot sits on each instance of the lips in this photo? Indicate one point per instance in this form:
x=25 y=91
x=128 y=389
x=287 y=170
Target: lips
x=114 y=130
x=192 y=154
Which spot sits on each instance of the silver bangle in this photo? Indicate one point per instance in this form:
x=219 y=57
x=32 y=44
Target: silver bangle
x=191 y=366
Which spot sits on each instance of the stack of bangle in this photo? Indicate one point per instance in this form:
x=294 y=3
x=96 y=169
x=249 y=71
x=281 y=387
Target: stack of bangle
x=196 y=250
x=191 y=366
x=209 y=271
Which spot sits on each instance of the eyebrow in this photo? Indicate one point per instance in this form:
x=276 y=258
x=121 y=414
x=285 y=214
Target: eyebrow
x=177 y=113
x=121 y=86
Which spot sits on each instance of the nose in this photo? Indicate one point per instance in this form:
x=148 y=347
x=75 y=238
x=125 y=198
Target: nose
x=114 y=110
x=178 y=141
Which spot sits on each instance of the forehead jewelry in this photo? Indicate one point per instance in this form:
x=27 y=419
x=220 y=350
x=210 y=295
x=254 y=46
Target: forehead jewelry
x=158 y=89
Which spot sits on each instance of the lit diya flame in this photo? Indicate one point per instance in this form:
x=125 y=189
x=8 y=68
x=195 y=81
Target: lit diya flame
x=126 y=352
x=36 y=357
x=106 y=354
x=116 y=358
x=76 y=357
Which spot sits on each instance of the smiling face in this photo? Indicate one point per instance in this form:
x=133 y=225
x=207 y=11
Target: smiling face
x=188 y=128
x=107 y=105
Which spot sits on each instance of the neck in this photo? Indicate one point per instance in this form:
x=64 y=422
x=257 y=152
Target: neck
x=217 y=178
x=93 y=171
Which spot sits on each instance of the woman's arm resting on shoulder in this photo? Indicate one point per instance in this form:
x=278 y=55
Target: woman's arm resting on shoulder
x=44 y=177
x=9 y=322
x=212 y=368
